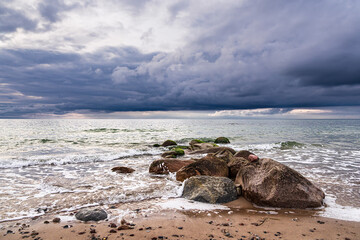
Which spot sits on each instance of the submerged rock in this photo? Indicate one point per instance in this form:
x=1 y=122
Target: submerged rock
x=270 y=183
x=91 y=215
x=209 y=189
x=122 y=170
x=209 y=165
x=168 y=143
x=222 y=140
x=164 y=166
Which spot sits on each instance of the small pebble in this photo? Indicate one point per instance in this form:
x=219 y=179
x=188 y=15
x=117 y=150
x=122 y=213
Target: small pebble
x=56 y=220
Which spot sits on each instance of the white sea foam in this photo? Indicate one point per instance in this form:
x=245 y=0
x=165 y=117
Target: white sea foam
x=184 y=204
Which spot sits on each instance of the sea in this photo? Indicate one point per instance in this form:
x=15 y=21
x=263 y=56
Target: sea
x=55 y=166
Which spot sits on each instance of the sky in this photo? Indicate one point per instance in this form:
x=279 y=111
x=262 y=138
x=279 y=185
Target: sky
x=179 y=59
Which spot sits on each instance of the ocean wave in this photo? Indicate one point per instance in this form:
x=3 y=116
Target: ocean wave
x=116 y=130
x=74 y=159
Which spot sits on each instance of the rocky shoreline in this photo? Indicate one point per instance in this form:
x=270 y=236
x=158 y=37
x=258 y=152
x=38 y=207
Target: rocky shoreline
x=262 y=181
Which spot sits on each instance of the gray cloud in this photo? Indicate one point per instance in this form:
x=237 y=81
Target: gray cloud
x=241 y=55
x=11 y=19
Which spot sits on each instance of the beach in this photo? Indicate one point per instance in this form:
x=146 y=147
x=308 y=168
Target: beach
x=192 y=224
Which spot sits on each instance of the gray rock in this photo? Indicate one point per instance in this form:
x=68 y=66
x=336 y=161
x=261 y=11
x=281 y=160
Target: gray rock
x=269 y=183
x=209 y=189
x=91 y=215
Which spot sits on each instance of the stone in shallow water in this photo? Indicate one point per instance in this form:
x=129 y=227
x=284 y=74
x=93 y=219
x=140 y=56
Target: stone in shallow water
x=269 y=183
x=210 y=189
x=91 y=215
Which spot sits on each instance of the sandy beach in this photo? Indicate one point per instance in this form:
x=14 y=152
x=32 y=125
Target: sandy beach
x=236 y=223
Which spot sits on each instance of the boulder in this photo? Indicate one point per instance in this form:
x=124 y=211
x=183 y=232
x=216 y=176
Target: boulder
x=164 y=166
x=208 y=165
x=270 y=183
x=222 y=140
x=225 y=155
x=173 y=153
x=246 y=154
x=91 y=215
x=122 y=170
x=235 y=164
x=213 y=150
x=209 y=189
x=200 y=146
x=168 y=143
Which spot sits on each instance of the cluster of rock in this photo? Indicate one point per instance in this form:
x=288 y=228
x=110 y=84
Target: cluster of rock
x=223 y=174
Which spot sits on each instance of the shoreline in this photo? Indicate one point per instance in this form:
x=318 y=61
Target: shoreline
x=229 y=222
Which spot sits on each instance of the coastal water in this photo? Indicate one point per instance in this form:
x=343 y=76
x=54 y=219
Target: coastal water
x=60 y=165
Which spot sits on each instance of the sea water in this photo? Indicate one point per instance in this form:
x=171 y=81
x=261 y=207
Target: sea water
x=63 y=165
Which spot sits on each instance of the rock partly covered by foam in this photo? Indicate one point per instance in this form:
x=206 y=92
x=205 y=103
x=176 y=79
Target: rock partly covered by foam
x=209 y=165
x=91 y=215
x=222 y=140
x=209 y=189
x=269 y=183
x=164 y=166
x=122 y=170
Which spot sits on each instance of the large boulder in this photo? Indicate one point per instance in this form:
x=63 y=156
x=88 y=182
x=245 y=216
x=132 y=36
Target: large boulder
x=209 y=165
x=168 y=143
x=235 y=164
x=222 y=140
x=212 y=150
x=165 y=166
x=270 y=183
x=209 y=189
x=91 y=215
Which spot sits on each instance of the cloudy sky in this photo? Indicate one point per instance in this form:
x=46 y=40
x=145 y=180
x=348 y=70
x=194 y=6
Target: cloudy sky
x=179 y=58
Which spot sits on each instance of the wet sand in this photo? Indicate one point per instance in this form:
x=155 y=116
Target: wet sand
x=237 y=223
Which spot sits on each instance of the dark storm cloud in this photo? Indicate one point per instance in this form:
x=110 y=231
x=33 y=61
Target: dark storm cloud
x=244 y=55
x=51 y=9
x=11 y=19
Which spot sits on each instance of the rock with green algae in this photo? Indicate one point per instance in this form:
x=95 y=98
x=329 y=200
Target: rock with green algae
x=222 y=140
x=173 y=153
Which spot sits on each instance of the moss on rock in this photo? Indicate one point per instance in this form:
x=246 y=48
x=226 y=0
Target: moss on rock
x=222 y=140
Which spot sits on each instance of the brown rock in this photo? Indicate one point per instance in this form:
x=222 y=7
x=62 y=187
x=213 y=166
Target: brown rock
x=209 y=165
x=225 y=155
x=122 y=170
x=168 y=143
x=243 y=154
x=270 y=183
x=56 y=220
x=213 y=150
x=200 y=146
x=164 y=166
x=235 y=164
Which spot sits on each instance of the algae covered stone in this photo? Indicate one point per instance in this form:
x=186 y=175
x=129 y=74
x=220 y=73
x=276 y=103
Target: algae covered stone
x=210 y=189
x=222 y=140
